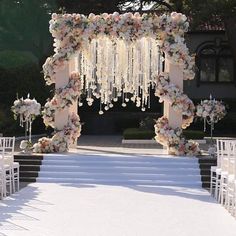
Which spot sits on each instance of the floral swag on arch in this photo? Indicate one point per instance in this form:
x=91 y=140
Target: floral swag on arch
x=73 y=32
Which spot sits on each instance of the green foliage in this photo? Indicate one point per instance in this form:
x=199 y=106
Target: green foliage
x=193 y=134
x=24 y=26
x=147 y=123
x=136 y=133
x=19 y=74
x=15 y=59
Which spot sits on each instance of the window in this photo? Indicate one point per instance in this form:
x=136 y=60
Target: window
x=215 y=63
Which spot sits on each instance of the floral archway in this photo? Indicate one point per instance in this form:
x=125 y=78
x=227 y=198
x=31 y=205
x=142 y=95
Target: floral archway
x=131 y=42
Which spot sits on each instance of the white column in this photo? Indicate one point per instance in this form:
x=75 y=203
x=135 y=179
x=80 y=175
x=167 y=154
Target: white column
x=176 y=77
x=74 y=107
x=61 y=117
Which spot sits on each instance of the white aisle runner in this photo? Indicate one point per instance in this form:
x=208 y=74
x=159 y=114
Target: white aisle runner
x=115 y=195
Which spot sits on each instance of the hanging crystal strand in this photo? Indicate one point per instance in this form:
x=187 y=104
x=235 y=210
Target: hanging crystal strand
x=30 y=128
x=158 y=55
x=148 y=70
x=154 y=61
x=104 y=72
x=145 y=70
x=120 y=67
x=117 y=78
x=149 y=98
x=125 y=65
x=204 y=125
x=150 y=64
x=162 y=60
x=100 y=67
x=132 y=68
x=158 y=58
x=111 y=70
x=107 y=84
x=100 y=110
x=93 y=66
x=142 y=71
x=136 y=69
x=123 y=99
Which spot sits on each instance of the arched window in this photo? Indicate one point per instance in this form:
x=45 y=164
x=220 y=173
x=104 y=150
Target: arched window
x=215 y=63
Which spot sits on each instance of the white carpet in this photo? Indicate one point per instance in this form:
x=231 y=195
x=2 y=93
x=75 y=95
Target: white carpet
x=44 y=209
x=115 y=208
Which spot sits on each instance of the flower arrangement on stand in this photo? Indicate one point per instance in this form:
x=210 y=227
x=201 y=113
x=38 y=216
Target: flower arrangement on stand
x=27 y=110
x=211 y=111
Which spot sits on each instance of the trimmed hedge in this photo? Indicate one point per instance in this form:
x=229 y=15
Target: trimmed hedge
x=137 y=133
x=194 y=134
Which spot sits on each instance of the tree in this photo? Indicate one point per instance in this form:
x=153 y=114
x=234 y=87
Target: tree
x=109 y=6
x=24 y=26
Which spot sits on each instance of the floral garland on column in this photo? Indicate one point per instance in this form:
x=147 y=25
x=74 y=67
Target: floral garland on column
x=165 y=135
x=173 y=139
x=64 y=97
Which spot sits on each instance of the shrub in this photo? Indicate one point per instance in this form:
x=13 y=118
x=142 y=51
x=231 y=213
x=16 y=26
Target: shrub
x=193 y=134
x=136 y=133
x=147 y=123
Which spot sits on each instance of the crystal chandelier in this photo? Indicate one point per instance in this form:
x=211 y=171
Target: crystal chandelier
x=113 y=69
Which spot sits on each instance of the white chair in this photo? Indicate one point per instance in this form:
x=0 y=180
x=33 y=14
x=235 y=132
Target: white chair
x=227 y=177
x=216 y=170
x=6 y=178
x=2 y=180
x=8 y=153
x=229 y=183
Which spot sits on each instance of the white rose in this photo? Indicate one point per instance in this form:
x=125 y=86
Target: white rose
x=24 y=144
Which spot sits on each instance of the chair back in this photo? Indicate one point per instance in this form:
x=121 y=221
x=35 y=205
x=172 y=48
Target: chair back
x=2 y=144
x=1 y=162
x=8 y=145
x=232 y=157
x=221 y=145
